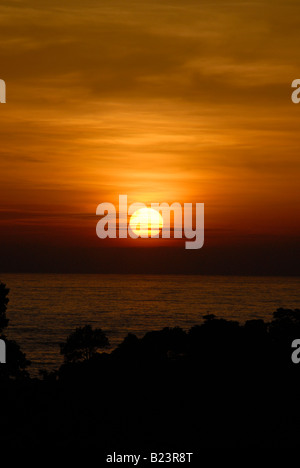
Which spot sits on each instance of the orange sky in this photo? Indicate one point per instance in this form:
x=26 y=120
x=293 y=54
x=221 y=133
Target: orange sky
x=161 y=100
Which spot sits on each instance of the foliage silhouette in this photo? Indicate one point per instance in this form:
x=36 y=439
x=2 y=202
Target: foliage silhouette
x=83 y=344
x=219 y=384
x=16 y=361
x=3 y=306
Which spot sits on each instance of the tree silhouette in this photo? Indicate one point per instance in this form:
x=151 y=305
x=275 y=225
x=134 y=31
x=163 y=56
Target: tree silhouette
x=3 y=306
x=83 y=344
x=16 y=361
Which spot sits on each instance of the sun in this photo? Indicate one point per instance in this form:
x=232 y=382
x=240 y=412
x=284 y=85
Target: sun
x=146 y=222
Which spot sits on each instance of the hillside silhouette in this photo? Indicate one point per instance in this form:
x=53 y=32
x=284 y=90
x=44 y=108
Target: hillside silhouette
x=219 y=384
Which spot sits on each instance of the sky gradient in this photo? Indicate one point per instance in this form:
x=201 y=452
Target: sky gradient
x=164 y=101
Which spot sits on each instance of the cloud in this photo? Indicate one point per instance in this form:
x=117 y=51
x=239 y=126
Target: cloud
x=154 y=99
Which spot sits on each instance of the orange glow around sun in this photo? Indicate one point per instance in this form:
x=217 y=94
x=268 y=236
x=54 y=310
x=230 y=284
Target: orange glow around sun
x=146 y=222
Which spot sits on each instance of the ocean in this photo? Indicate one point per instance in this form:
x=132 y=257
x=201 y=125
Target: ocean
x=44 y=309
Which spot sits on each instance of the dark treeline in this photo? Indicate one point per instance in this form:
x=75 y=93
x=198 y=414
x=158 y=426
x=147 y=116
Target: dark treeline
x=219 y=384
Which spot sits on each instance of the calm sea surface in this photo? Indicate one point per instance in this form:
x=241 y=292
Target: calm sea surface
x=44 y=309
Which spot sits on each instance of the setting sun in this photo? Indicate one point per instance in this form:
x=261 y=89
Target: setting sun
x=146 y=222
